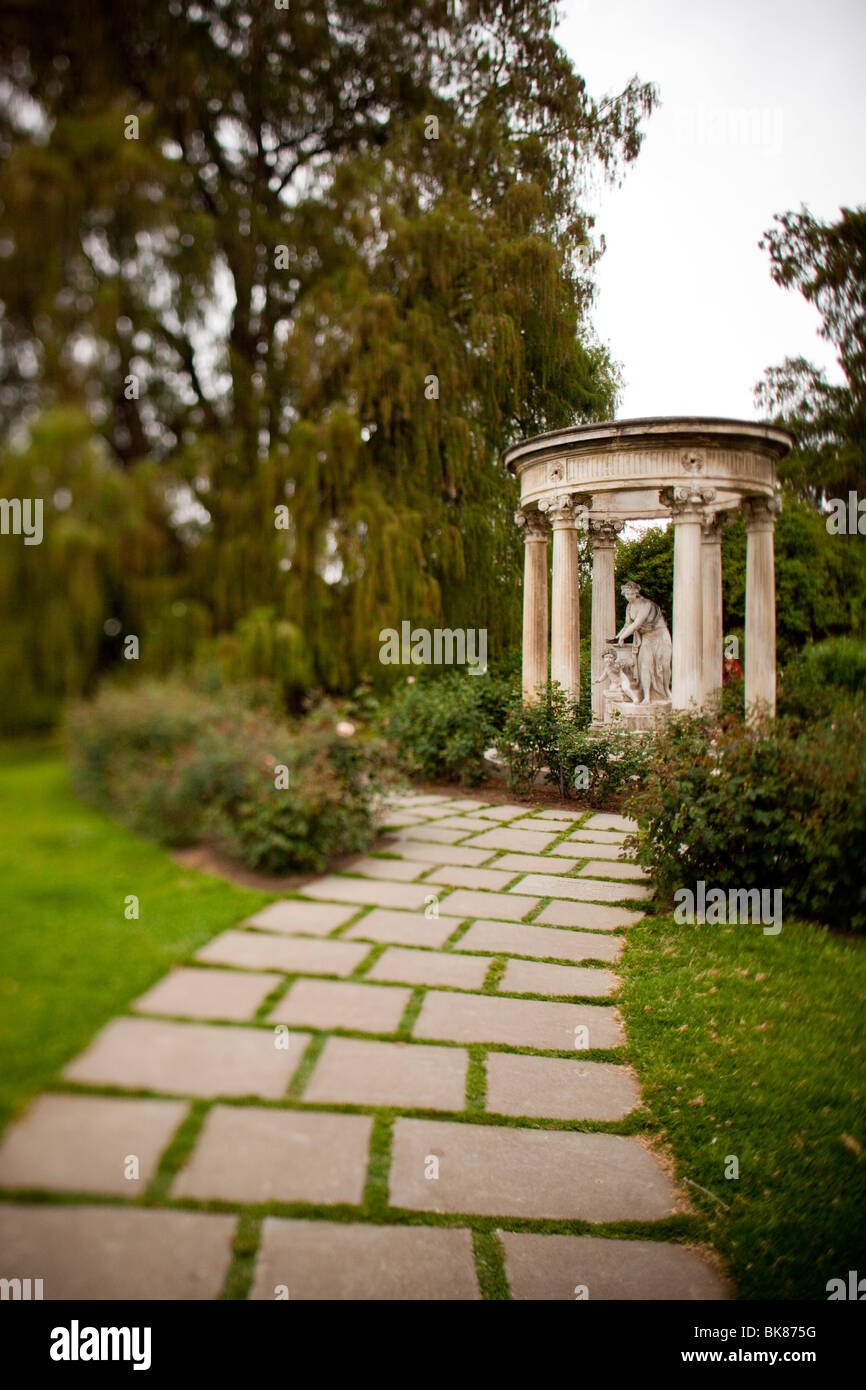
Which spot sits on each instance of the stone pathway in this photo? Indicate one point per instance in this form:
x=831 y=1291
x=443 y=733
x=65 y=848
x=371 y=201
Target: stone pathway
x=404 y=1083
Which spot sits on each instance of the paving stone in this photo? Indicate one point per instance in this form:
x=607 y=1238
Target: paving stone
x=428 y=832
x=398 y=870
x=334 y=1262
x=338 y=1004
x=400 y=819
x=101 y=1254
x=628 y=872
x=367 y=892
x=431 y=968
x=503 y=812
x=469 y=803
x=452 y=808
x=534 y=977
x=188 y=1059
x=603 y=822
x=584 y=890
x=570 y=816
x=490 y=1170
x=480 y=1018
x=441 y=854
x=508 y=938
x=291 y=915
x=465 y=823
x=419 y=799
x=555 y=827
x=256 y=950
x=555 y=1088
x=246 y=1154
x=189 y=993
x=464 y=903
x=352 y=1071
x=552 y=1267
x=607 y=837
x=587 y=849
x=457 y=877
x=82 y=1143
x=534 y=864
x=531 y=841
x=402 y=928
x=588 y=916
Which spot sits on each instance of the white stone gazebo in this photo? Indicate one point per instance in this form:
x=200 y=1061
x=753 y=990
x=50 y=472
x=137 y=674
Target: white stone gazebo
x=698 y=472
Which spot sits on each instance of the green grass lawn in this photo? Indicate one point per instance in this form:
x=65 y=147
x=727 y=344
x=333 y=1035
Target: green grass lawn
x=69 y=958
x=753 y=1046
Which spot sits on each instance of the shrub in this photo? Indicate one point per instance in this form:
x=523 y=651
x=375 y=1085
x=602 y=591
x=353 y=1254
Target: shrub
x=442 y=727
x=769 y=805
x=552 y=734
x=180 y=766
x=823 y=676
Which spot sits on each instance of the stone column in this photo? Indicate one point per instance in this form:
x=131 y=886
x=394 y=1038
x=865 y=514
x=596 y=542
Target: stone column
x=711 y=616
x=536 y=531
x=760 y=513
x=603 y=535
x=687 y=510
x=565 y=600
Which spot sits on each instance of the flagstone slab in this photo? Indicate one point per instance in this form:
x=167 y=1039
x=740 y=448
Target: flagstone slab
x=480 y=1018
x=534 y=977
x=608 y=822
x=452 y=808
x=586 y=849
x=333 y=1262
x=555 y=1088
x=503 y=812
x=588 y=916
x=554 y=1267
x=464 y=903
x=556 y=827
x=84 y=1143
x=430 y=832
x=546 y=943
x=397 y=870
x=188 y=1059
x=431 y=968
x=492 y=1170
x=605 y=837
x=191 y=993
x=534 y=864
x=353 y=1071
x=629 y=872
x=247 y=1154
x=530 y=841
x=570 y=816
x=464 y=823
x=400 y=819
x=402 y=928
x=260 y=951
x=457 y=877
x=366 y=892
x=424 y=799
x=291 y=915
x=440 y=854
x=584 y=890
x=327 y=1004
x=102 y=1254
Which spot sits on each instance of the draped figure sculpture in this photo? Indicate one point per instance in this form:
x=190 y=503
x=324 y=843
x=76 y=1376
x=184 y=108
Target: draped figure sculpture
x=645 y=624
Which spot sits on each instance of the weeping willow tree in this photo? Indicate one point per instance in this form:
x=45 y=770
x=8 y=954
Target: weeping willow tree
x=315 y=267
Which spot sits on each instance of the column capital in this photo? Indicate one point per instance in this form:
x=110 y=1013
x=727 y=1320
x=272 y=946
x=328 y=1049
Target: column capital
x=761 y=512
x=686 y=503
x=714 y=523
x=563 y=511
x=604 y=531
x=536 y=526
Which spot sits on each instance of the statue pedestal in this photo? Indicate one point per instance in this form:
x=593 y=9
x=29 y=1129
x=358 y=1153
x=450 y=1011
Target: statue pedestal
x=631 y=716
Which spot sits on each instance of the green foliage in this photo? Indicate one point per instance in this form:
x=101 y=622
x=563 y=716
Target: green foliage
x=441 y=727
x=823 y=676
x=179 y=767
x=552 y=736
x=768 y=805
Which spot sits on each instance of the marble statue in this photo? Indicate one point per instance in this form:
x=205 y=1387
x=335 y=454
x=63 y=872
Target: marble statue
x=645 y=624
x=615 y=678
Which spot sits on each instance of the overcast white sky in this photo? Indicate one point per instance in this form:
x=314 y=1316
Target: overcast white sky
x=763 y=108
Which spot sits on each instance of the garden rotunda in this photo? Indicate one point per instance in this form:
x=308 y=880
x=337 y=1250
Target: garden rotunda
x=596 y=477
